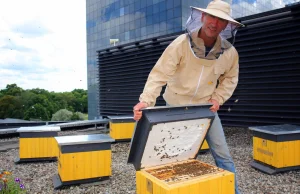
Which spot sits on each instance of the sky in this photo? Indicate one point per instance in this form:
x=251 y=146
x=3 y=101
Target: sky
x=43 y=44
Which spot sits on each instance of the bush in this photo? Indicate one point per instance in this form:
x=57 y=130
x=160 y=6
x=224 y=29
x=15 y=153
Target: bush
x=78 y=116
x=10 y=185
x=62 y=115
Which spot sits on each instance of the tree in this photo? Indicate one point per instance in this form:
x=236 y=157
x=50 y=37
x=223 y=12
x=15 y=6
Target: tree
x=12 y=90
x=62 y=115
x=11 y=107
x=37 y=112
x=80 y=103
x=39 y=103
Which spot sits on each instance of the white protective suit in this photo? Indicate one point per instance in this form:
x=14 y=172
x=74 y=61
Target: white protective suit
x=191 y=77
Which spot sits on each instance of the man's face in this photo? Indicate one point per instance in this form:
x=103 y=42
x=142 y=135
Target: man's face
x=212 y=26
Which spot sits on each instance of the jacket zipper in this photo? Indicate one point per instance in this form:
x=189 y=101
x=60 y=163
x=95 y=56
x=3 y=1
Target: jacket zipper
x=199 y=80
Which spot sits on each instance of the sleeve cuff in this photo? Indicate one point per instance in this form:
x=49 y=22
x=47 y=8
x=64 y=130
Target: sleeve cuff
x=219 y=99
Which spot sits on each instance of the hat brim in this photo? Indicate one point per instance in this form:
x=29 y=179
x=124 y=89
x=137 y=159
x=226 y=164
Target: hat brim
x=219 y=14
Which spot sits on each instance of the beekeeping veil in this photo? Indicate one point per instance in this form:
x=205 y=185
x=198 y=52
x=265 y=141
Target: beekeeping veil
x=218 y=9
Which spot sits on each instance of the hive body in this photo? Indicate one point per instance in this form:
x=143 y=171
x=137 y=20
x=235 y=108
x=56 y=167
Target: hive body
x=210 y=179
x=121 y=127
x=276 y=148
x=37 y=144
x=38 y=147
x=83 y=159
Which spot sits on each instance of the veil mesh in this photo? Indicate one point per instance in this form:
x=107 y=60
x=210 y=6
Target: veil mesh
x=193 y=24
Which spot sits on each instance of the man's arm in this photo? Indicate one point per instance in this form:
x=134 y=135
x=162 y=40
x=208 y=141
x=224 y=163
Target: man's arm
x=159 y=75
x=228 y=81
x=162 y=71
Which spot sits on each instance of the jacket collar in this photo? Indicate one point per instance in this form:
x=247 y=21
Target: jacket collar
x=198 y=47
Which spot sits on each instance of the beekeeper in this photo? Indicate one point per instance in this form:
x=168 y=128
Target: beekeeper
x=199 y=66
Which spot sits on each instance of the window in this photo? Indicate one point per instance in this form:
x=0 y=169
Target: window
x=122 y=11
x=162 y=6
x=177 y=3
x=163 y=16
x=149 y=20
x=149 y=10
x=156 y=8
x=170 y=14
x=177 y=12
x=170 y=4
x=137 y=5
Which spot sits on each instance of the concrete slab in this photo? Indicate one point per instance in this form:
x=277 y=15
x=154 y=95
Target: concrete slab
x=7 y=145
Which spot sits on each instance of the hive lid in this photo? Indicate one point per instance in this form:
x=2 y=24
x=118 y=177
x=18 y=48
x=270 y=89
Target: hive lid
x=121 y=119
x=38 y=129
x=169 y=134
x=277 y=129
x=83 y=139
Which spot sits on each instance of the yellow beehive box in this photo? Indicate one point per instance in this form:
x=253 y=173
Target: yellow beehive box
x=163 y=149
x=121 y=127
x=37 y=143
x=276 y=148
x=204 y=147
x=83 y=159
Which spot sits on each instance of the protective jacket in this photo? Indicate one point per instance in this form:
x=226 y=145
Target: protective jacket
x=190 y=79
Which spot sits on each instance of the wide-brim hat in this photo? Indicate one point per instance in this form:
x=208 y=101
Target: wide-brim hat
x=219 y=9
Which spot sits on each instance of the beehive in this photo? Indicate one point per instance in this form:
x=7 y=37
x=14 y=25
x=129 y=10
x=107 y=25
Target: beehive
x=121 y=127
x=163 y=151
x=276 y=148
x=37 y=144
x=204 y=147
x=83 y=159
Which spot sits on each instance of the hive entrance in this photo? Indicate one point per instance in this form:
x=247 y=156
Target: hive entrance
x=183 y=171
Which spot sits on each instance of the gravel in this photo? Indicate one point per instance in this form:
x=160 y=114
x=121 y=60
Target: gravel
x=37 y=177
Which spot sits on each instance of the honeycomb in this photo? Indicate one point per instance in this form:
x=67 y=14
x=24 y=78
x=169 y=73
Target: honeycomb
x=182 y=171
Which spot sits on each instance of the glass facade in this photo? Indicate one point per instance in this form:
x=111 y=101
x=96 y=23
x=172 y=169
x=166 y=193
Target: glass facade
x=116 y=22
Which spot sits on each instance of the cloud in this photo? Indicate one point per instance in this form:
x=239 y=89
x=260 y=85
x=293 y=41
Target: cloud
x=241 y=8
x=31 y=29
x=10 y=45
x=43 y=44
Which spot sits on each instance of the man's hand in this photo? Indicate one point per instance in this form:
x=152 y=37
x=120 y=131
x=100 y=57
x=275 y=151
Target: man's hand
x=137 y=113
x=215 y=107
